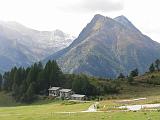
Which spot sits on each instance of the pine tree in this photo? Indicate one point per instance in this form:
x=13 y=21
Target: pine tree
x=6 y=81
x=157 y=64
x=121 y=76
x=15 y=91
x=42 y=83
x=18 y=77
x=40 y=66
x=21 y=82
x=30 y=94
x=152 y=68
x=32 y=75
x=55 y=74
x=22 y=91
x=1 y=81
x=11 y=78
x=134 y=73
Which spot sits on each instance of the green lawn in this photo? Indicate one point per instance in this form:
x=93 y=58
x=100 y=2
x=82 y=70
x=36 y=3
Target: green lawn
x=49 y=111
x=40 y=112
x=108 y=116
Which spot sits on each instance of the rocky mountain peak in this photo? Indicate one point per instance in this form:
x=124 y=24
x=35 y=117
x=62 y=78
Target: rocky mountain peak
x=58 y=32
x=124 y=21
x=98 y=16
x=107 y=47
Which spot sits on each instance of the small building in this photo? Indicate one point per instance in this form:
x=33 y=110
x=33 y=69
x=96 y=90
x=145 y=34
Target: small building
x=66 y=93
x=54 y=91
x=78 y=97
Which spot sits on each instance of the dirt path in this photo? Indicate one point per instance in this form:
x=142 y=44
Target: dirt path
x=92 y=108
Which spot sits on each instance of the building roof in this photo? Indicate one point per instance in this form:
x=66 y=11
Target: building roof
x=65 y=90
x=54 y=88
x=78 y=95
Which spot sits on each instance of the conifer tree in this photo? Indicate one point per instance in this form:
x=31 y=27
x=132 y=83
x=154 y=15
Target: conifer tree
x=121 y=76
x=157 y=64
x=30 y=94
x=134 y=73
x=152 y=68
x=1 y=81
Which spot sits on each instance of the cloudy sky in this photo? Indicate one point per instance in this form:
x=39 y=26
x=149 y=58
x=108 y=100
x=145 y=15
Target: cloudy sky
x=72 y=15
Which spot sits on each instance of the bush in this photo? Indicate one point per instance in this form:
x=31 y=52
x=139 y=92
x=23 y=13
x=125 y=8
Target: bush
x=158 y=110
x=69 y=103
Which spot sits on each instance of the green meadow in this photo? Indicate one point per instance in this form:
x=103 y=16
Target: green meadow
x=48 y=112
x=65 y=110
x=49 y=109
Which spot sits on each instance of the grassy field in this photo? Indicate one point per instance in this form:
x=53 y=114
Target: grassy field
x=48 y=112
x=51 y=109
x=41 y=112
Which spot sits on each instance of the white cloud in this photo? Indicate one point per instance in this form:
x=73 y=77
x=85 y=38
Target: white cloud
x=72 y=15
x=94 y=6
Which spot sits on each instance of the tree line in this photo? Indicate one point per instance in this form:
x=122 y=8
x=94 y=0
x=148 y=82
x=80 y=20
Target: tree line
x=26 y=83
x=1 y=79
x=155 y=66
x=130 y=77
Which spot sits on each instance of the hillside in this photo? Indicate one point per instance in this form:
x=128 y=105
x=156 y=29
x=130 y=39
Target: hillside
x=107 y=47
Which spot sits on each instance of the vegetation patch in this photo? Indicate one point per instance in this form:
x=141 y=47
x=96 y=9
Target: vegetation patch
x=69 y=102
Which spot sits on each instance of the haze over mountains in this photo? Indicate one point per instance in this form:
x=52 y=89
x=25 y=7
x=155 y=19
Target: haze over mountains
x=22 y=46
x=107 y=47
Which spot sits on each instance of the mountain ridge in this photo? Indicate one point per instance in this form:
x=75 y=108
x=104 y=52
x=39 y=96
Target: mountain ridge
x=22 y=46
x=107 y=47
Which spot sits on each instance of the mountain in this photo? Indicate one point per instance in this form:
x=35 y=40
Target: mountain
x=22 y=46
x=107 y=47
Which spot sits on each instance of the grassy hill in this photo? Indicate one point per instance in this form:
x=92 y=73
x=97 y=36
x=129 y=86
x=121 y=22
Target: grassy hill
x=142 y=86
